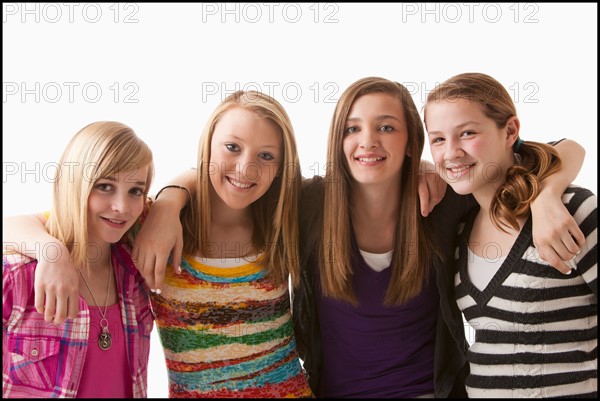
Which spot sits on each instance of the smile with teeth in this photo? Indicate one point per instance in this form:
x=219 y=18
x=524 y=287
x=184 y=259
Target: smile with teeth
x=459 y=169
x=370 y=159
x=238 y=184
x=114 y=221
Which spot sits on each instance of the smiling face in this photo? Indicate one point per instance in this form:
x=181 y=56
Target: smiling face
x=246 y=151
x=114 y=204
x=375 y=139
x=469 y=150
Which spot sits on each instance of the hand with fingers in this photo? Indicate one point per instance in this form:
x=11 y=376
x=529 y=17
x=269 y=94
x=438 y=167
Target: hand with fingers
x=432 y=188
x=161 y=235
x=556 y=234
x=56 y=286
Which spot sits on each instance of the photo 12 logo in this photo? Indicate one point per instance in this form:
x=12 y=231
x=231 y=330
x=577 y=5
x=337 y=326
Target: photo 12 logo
x=270 y=12
x=53 y=13
x=521 y=92
x=69 y=92
x=470 y=12
x=50 y=172
x=290 y=91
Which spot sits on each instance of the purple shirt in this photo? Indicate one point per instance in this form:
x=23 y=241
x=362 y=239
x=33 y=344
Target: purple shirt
x=371 y=350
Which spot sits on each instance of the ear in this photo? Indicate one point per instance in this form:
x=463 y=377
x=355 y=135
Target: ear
x=512 y=128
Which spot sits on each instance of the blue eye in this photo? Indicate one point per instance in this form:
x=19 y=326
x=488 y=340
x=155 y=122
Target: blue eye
x=136 y=191
x=386 y=128
x=266 y=156
x=232 y=147
x=350 y=130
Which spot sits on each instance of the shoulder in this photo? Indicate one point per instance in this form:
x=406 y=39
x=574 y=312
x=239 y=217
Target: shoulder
x=310 y=213
x=128 y=273
x=579 y=200
x=122 y=255
x=18 y=278
x=313 y=186
x=14 y=262
x=582 y=204
x=452 y=208
x=311 y=197
x=554 y=143
x=130 y=235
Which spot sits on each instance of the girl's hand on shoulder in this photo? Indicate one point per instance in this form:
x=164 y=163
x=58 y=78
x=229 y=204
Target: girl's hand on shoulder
x=556 y=234
x=432 y=187
x=161 y=235
x=56 y=285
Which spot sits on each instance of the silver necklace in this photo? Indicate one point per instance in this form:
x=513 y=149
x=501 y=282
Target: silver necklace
x=104 y=340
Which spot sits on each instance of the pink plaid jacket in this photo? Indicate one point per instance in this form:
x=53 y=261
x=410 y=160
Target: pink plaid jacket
x=41 y=359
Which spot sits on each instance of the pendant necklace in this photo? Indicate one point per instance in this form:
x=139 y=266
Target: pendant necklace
x=104 y=340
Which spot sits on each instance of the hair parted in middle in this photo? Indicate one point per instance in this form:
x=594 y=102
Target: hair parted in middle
x=275 y=214
x=412 y=247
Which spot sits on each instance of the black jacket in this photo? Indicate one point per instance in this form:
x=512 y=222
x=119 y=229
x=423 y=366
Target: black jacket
x=450 y=365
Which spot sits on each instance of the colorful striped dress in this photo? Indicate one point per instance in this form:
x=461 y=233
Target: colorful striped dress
x=227 y=332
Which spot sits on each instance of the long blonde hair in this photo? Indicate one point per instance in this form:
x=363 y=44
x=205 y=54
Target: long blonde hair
x=98 y=150
x=275 y=214
x=412 y=248
x=537 y=160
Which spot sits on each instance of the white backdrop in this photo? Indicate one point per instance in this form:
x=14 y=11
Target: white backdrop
x=163 y=68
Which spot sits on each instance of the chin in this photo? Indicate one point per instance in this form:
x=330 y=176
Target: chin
x=236 y=204
x=461 y=190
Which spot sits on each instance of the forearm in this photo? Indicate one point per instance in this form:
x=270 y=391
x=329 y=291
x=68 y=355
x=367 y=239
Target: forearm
x=176 y=198
x=572 y=155
x=556 y=234
x=27 y=234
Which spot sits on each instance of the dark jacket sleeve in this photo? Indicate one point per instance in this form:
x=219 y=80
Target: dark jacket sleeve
x=304 y=308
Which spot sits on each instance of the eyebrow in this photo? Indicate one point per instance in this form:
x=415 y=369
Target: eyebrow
x=241 y=140
x=378 y=118
x=113 y=179
x=460 y=126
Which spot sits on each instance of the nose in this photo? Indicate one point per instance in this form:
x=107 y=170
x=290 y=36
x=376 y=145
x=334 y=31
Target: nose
x=120 y=203
x=368 y=138
x=249 y=167
x=453 y=149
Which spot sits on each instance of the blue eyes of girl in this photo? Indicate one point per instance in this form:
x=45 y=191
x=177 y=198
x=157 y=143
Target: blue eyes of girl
x=232 y=147
x=353 y=129
x=462 y=134
x=104 y=187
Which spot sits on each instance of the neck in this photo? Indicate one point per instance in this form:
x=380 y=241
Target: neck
x=374 y=213
x=224 y=216
x=95 y=276
x=100 y=257
x=375 y=204
x=486 y=194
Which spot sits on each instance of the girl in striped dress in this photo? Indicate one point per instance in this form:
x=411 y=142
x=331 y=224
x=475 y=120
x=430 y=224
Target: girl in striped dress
x=535 y=329
x=224 y=320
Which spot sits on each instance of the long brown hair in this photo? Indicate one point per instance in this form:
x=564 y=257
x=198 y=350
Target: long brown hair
x=275 y=214
x=412 y=249
x=536 y=160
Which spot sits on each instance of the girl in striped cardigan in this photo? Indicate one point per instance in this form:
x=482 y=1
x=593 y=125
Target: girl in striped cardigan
x=535 y=329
